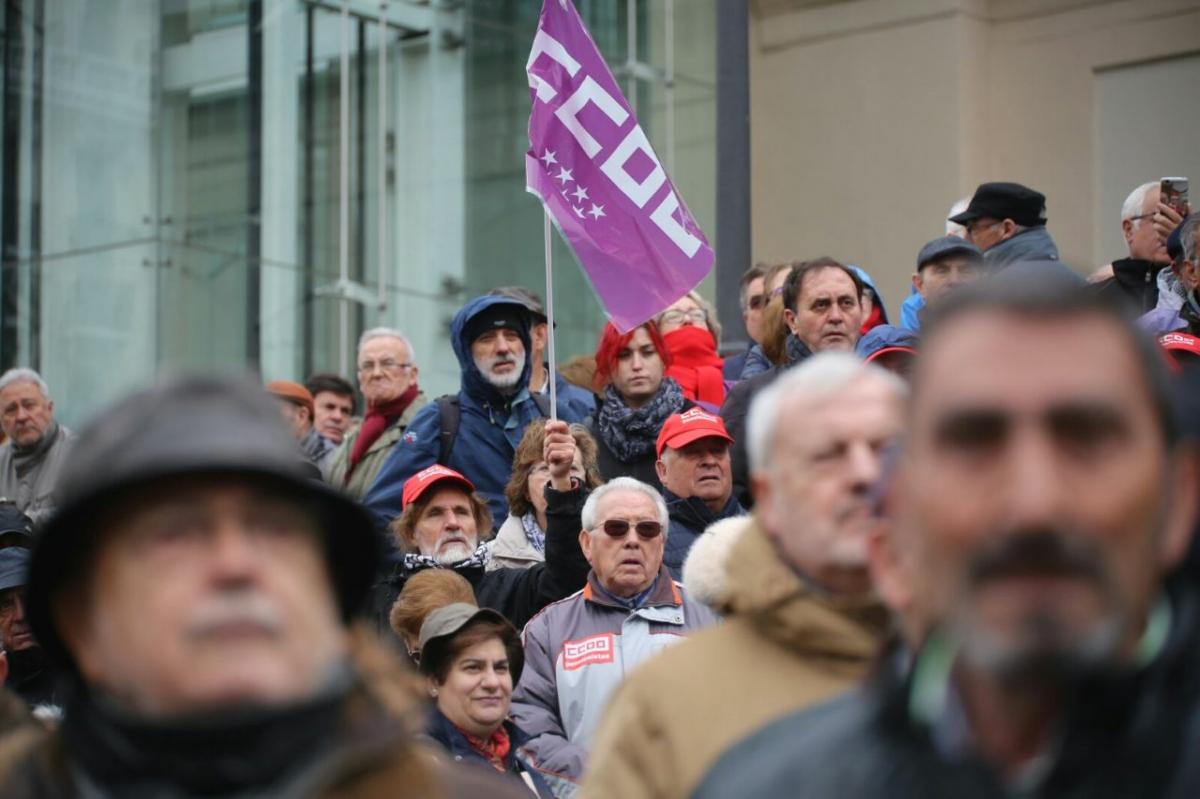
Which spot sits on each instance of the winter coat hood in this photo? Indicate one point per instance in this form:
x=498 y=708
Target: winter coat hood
x=762 y=587
x=474 y=383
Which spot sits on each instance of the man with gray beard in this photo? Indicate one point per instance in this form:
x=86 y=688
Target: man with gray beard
x=476 y=431
x=1036 y=510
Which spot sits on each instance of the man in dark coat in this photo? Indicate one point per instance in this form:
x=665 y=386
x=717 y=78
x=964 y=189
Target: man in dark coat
x=1036 y=508
x=1008 y=222
x=822 y=302
x=30 y=675
x=693 y=467
x=1136 y=277
x=442 y=525
x=194 y=588
x=491 y=337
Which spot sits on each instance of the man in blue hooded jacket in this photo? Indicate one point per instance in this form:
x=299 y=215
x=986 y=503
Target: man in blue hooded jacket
x=491 y=338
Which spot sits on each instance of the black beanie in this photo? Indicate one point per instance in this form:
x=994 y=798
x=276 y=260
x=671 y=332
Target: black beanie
x=511 y=315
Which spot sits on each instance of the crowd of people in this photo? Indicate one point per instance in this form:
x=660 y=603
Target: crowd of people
x=949 y=555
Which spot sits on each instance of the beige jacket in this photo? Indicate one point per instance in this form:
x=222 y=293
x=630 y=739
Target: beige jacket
x=368 y=468
x=782 y=648
x=511 y=549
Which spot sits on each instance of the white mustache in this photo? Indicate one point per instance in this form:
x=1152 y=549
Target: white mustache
x=235 y=608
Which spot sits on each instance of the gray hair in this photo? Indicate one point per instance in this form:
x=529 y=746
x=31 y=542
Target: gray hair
x=819 y=377
x=387 y=332
x=588 y=515
x=1136 y=200
x=953 y=228
x=1188 y=232
x=24 y=375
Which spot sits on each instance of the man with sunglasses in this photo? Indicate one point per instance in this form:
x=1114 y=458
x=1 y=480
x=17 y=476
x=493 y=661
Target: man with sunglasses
x=801 y=623
x=578 y=650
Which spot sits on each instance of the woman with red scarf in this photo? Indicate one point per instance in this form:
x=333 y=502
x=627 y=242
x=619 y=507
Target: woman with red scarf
x=472 y=658
x=690 y=332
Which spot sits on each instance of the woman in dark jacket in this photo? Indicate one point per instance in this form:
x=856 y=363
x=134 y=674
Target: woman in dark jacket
x=637 y=398
x=472 y=658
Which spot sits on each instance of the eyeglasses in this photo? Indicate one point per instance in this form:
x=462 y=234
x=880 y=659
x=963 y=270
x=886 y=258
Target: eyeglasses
x=756 y=302
x=697 y=315
x=387 y=365
x=1141 y=216
x=773 y=293
x=619 y=528
x=976 y=225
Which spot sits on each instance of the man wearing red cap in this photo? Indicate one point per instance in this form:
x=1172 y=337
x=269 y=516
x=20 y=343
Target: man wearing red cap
x=578 y=651
x=693 y=466
x=442 y=521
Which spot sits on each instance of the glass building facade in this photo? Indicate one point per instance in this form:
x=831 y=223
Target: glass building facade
x=248 y=184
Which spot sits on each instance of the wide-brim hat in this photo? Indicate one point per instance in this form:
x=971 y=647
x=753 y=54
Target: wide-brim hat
x=184 y=429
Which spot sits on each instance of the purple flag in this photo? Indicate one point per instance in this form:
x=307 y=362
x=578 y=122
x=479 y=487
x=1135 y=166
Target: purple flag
x=598 y=176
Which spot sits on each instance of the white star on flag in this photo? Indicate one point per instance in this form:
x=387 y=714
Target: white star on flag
x=580 y=194
x=548 y=159
x=564 y=175
x=596 y=211
x=578 y=212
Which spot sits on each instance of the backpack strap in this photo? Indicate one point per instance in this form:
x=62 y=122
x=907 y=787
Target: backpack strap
x=449 y=414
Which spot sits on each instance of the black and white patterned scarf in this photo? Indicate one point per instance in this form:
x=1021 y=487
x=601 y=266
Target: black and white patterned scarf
x=415 y=561
x=630 y=433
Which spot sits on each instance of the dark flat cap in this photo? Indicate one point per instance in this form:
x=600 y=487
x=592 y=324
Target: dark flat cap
x=1021 y=204
x=947 y=245
x=14 y=566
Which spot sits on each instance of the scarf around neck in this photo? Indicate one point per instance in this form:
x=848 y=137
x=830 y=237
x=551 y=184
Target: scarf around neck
x=378 y=419
x=494 y=749
x=244 y=749
x=695 y=364
x=534 y=534
x=415 y=561
x=631 y=432
x=24 y=456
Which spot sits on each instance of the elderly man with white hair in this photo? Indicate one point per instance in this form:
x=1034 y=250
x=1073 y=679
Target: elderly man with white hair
x=801 y=622
x=37 y=446
x=1139 y=277
x=387 y=377
x=578 y=650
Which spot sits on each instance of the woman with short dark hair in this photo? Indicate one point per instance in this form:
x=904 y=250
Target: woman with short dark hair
x=471 y=659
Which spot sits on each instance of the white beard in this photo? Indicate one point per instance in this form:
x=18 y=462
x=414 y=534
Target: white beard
x=455 y=553
x=504 y=381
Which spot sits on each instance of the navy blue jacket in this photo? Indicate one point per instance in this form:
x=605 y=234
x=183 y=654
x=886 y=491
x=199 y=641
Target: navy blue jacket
x=689 y=519
x=456 y=744
x=489 y=429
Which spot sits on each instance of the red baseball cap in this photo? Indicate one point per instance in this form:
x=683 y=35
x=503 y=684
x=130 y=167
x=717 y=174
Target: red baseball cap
x=422 y=481
x=1177 y=344
x=693 y=424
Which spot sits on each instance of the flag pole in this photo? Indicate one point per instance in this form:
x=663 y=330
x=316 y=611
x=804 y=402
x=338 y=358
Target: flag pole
x=550 y=369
